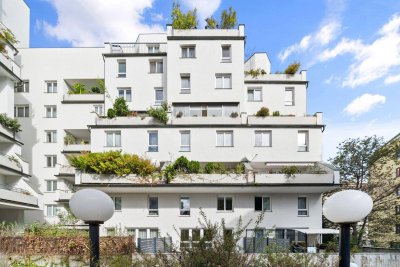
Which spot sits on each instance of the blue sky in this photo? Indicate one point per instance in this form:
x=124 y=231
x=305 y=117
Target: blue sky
x=351 y=49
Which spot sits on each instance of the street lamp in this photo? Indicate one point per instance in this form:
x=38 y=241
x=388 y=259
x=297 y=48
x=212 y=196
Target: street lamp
x=93 y=207
x=347 y=207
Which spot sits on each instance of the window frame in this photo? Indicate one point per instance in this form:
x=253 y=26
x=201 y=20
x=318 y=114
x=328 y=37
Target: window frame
x=159 y=102
x=153 y=212
x=226 y=59
x=53 y=161
x=224 y=76
x=155 y=147
x=254 y=89
x=52 y=110
x=224 y=202
x=185 y=90
x=25 y=111
x=51 y=186
x=269 y=132
x=157 y=62
x=54 y=89
x=117 y=206
x=96 y=109
x=124 y=91
x=121 y=74
x=185 y=51
x=292 y=101
x=24 y=85
x=262 y=204
x=51 y=136
x=182 y=211
x=303 y=147
x=306 y=209
x=224 y=135
x=183 y=147
x=153 y=48
x=114 y=139
x=54 y=210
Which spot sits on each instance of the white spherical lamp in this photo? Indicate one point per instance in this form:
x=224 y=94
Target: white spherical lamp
x=347 y=206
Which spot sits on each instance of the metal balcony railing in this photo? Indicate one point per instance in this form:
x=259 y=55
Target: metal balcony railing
x=138 y=48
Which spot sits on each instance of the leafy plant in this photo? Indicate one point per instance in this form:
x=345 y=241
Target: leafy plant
x=78 y=89
x=255 y=72
x=263 y=112
x=214 y=167
x=111 y=113
x=292 y=68
x=276 y=113
x=159 y=113
x=179 y=114
x=69 y=139
x=239 y=168
x=211 y=23
x=183 y=21
x=290 y=170
x=120 y=107
x=6 y=36
x=181 y=165
x=10 y=123
x=228 y=19
x=234 y=115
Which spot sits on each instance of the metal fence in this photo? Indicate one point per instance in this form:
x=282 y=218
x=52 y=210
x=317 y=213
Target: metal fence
x=260 y=244
x=155 y=245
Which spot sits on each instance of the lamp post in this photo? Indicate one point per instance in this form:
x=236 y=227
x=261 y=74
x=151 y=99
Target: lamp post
x=94 y=207
x=346 y=207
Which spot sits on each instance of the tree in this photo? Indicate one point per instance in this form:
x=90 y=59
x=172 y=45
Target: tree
x=120 y=107
x=228 y=19
x=360 y=162
x=183 y=21
x=292 y=68
x=211 y=23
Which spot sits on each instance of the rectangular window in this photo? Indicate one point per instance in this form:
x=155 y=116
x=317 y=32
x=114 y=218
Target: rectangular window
x=153 y=141
x=113 y=139
x=224 y=138
x=225 y=204
x=51 y=161
x=185 y=238
x=185 y=141
x=156 y=66
x=51 y=210
x=51 y=87
x=262 y=204
x=159 y=96
x=289 y=97
x=302 y=141
x=263 y=138
x=185 y=83
x=254 y=94
x=223 y=81
x=188 y=51
x=21 y=111
x=51 y=185
x=125 y=93
x=117 y=203
x=302 y=206
x=184 y=206
x=99 y=109
x=153 y=206
x=21 y=87
x=226 y=53
x=121 y=68
x=51 y=136
x=51 y=111
x=152 y=49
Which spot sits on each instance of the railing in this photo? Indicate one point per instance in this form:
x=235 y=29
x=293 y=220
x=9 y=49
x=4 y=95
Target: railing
x=155 y=245
x=14 y=189
x=260 y=244
x=137 y=48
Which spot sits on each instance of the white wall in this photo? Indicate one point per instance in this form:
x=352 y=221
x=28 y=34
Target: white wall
x=15 y=16
x=7 y=96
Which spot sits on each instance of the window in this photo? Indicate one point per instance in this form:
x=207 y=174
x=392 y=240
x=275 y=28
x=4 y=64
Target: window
x=51 y=111
x=185 y=83
x=51 y=210
x=51 y=87
x=224 y=138
x=51 y=136
x=185 y=141
x=99 y=109
x=289 y=97
x=121 y=68
x=398 y=172
x=302 y=206
x=152 y=49
x=397 y=209
x=143 y=233
x=51 y=161
x=188 y=51
x=191 y=237
x=117 y=202
x=185 y=238
x=184 y=206
x=263 y=138
x=159 y=96
x=226 y=53
x=397 y=228
x=21 y=87
x=262 y=203
x=113 y=139
x=225 y=204
x=254 y=94
x=153 y=206
x=21 y=111
x=153 y=141
x=51 y=185
x=125 y=93
x=156 y=66
x=302 y=141
x=223 y=81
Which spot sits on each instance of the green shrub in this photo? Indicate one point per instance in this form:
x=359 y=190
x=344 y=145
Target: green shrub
x=120 y=107
x=255 y=72
x=183 y=21
x=228 y=19
x=214 y=167
x=111 y=113
x=159 y=113
x=263 y=112
x=10 y=123
x=194 y=167
x=276 y=113
x=6 y=35
x=290 y=170
x=239 y=168
x=170 y=173
x=181 y=164
x=292 y=68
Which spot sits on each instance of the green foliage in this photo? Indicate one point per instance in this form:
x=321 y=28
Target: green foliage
x=6 y=36
x=52 y=230
x=211 y=23
x=113 y=163
x=263 y=112
x=255 y=72
x=290 y=170
x=9 y=123
x=169 y=173
x=120 y=107
x=214 y=167
x=78 y=88
x=276 y=113
x=292 y=68
x=183 y=21
x=194 y=166
x=228 y=19
x=69 y=139
x=239 y=168
x=181 y=165
x=111 y=113
x=159 y=113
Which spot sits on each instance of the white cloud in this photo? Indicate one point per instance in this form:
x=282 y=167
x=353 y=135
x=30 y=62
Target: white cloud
x=205 y=8
x=93 y=22
x=363 y=104
x=392 y=79
x=157 y=17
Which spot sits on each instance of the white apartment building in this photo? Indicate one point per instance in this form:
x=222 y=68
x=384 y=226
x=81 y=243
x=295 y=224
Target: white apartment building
x=200 y=74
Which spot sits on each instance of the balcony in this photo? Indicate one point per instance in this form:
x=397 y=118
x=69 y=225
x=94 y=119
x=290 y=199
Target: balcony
x=13 y=166
x=17 y=196
x=8 y=136
x=206 y=120
x=64 y=195
x=83 y=98
x=139 y=120
x=177 y=33
x=286 y=120
x=76 y=148
x=137 y=48
x=10 y=68
x=285 y=78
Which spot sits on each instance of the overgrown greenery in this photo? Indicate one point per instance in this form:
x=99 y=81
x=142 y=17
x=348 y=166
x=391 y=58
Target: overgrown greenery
x=290 y=170
x=228 y=19
x=10 y=123
x=79 y=88
x=276 y=113
x=263 y=112
x=254 y=73
x=159 y=113
x=120 y=108
x=214 y=167
x=6 y=36
x=292 y=68
x=112 y=163
x=69 y=139
x=183 y=21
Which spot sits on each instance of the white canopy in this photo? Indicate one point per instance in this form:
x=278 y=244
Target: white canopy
x=319 y=231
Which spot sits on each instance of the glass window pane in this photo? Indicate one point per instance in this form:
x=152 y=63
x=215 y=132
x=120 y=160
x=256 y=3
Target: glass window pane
x=20 y=112
x=258 y=203
x=250 y=95
x=267 y=203
x=153 y=138
x=159 y=67
x=184 y=234
x=185 y=82
x=226 y=52
x=257 y=95
x=227 y=82
x=128 y=95
x=120 y=93
x=220 y=204
x=142 y=233
x=266 y=137
x=258 y=139
x=185 y=139
x=228 y=203
x=49 y=186
x=228 y=139
x=153 y=233
x=192 y=52
x=290 y=234
x=218 y=82
x=118 y=203
x=302 y=203
x=122 y=67
x=153 y=203
x=220 y=139
x=196 y=234
x=159 y=95
x=48 y=87
x=54 y=87
x=279 y=233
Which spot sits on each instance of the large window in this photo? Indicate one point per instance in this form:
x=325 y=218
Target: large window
x=263 y=138
x=125 y=93
x=302 y=141
x=206 y=110
x=21 y=111
x=51 y=111
x=188 y=51
x=262 y=204
x=185 y=83
x=153 y=141
x=159 y=96
x=184 y=206
x=223 y=81
x=153 y=206
x=51 y=210
x=121 y=68
x=143 y=233
x=154 y=48
x=51 y=161
x=51 y=87
x=51 y=136
x=254 y=94
x=117 y=203
x=190 y=237
x=302 y=206
x=289 y=97
x=224 y=204
x=224 y=138
x=113 y=138
x=22 y=87
x=51 y=185
x=99 y=109
x=156 y=66
x=185 y=141
x=226 y=53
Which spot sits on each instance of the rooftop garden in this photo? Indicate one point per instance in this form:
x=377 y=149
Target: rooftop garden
x=79 y=88
x=6 y=36
x=10 y=123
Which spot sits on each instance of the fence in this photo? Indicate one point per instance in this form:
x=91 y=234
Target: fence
x=259 y=244
x=155 y=245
